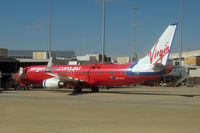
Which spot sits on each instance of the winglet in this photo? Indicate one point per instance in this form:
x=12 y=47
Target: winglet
x=49 y=65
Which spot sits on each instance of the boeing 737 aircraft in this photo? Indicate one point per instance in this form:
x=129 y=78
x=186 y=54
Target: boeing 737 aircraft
x=151 y=67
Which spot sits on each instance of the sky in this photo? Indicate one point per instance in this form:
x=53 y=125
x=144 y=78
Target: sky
x=77 y=25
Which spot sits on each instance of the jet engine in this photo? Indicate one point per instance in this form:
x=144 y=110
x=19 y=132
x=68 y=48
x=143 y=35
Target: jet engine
x=53 y=83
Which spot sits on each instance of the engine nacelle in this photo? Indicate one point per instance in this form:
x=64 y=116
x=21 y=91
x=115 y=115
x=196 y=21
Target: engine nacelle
x=52 y=83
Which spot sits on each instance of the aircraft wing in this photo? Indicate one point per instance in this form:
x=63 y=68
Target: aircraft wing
x=65 y=78
x=58 y=76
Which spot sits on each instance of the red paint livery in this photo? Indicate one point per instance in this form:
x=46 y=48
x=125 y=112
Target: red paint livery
x=151 y=67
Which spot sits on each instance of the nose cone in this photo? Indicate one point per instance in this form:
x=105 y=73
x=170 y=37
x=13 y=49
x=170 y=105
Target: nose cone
x=15 y=76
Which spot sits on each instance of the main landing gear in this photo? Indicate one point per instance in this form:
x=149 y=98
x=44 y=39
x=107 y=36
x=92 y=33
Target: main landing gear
x=95 y=89
x=78 y=89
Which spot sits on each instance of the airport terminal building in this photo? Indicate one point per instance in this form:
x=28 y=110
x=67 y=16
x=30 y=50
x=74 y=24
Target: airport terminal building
x=29 y=54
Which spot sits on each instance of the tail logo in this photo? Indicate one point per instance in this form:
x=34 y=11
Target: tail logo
x=158 y=55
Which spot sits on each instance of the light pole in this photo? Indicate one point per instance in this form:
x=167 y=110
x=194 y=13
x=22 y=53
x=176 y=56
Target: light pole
x=134 y=42
x=180 y=32
x=49 y=41
x=80 y=43
x=103 y=31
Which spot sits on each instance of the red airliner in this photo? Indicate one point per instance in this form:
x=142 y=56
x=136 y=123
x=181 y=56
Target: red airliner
x=151 y=67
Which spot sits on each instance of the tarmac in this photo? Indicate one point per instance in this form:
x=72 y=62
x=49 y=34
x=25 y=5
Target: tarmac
x=118 y=110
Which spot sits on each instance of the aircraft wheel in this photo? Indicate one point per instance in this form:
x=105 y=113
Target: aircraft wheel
x=95 y=89
x=107 y=87
x=25 y=88
x=77 y=90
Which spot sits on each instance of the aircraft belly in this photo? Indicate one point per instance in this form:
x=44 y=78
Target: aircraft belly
x=112 y=81
x=40 y=78
x=118 y=81
x=146 y=78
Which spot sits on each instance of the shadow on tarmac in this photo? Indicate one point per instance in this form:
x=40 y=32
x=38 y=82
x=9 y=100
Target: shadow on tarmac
x=150 y=93
x=147 y=93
